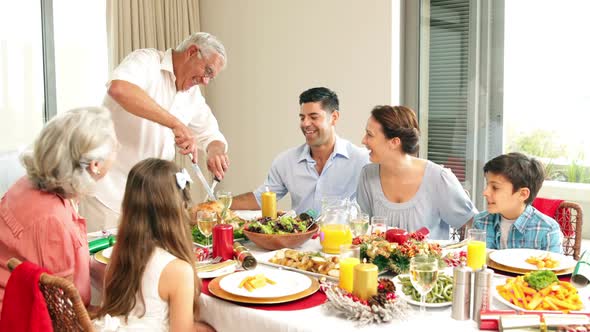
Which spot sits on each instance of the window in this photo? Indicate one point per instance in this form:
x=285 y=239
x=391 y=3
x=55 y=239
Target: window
x=459 y=99
x=81 y=64
x=75 y=65
x=21 y=73
x=546 y=79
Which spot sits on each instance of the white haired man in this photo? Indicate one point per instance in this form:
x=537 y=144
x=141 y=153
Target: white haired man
x=156 y=104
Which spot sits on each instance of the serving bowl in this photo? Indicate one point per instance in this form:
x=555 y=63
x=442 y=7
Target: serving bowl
x=280 y=241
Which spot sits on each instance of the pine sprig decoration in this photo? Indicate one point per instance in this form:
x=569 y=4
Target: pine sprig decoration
x=381 y=308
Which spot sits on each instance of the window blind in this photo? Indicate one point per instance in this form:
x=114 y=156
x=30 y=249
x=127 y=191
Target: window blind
x=448 y=84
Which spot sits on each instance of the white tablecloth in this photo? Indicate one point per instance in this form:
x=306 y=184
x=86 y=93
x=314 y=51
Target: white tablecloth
x=227 y=316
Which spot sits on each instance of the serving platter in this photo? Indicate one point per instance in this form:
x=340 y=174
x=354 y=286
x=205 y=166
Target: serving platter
x=264 y=259
x=500 y=267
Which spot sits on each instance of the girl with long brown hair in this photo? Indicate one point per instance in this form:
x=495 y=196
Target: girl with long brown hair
x=151 y=282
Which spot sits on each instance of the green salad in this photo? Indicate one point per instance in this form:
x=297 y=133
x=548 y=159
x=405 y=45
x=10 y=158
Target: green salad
x=282 y=225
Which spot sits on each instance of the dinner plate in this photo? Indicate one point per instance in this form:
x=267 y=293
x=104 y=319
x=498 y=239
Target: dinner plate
x=107 y=252
x=499 y=297
x=216 y=273
x=100 y=258
x=220 y=293
x=286 y=283
x=516 y=258
x=499 y=267
x=408 y=298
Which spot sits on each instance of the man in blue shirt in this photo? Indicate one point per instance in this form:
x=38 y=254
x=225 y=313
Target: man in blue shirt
x=513 y=181
x=325 y=166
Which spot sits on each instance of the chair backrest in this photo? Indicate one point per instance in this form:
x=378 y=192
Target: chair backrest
x=65 y=306
x=569 y=216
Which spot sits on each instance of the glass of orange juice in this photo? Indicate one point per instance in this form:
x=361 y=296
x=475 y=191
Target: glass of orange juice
x=476 y=248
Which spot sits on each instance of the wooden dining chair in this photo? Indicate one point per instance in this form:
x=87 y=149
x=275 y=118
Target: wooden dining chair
x=64 y=303
x=569 y=216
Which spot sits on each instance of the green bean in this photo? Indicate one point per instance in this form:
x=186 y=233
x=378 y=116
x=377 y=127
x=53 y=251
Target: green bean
x=440 y=293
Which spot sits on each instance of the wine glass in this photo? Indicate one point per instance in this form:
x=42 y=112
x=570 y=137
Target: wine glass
x=378 y=224
x=359 y=225
x=423 y=275
x=206 y=220
x=225 y=198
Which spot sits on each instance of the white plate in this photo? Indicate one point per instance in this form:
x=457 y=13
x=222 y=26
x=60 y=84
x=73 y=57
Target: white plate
x=499 y=297
x=287 y=283
x=107 y=252
x=408 y=298
x=216 y=273
x=516 y=258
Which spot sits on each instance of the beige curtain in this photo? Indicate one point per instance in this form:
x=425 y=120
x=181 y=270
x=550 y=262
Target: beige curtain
x=159 y=24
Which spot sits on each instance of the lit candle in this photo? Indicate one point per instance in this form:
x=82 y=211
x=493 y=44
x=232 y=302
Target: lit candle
x=365 y=280
x=269 y=204
x=347 y=273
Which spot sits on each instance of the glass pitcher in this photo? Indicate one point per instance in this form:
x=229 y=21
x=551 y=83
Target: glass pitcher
x=334 y=223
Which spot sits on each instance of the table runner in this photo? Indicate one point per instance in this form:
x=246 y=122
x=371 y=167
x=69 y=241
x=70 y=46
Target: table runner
x=316 y=299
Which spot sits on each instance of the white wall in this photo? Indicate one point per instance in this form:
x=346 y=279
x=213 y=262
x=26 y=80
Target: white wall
x=279 y=48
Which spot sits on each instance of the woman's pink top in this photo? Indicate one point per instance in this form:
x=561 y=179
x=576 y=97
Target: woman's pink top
x=45 y=229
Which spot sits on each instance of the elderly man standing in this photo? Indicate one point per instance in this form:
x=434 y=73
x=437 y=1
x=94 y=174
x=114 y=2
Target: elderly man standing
x=156 y=104
x=325 y=166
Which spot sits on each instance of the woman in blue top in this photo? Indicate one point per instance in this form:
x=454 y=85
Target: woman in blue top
x=410 y=192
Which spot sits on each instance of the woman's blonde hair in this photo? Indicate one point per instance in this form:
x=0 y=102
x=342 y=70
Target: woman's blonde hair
x=66 y=146
x=154 y=214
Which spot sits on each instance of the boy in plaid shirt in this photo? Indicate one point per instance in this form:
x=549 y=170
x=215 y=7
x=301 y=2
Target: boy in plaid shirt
x=513 y=181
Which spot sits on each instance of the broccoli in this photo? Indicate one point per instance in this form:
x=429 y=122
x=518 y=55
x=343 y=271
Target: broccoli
x=302 y=226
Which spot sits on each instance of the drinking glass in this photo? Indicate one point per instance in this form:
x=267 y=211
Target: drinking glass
x=378 y=224
x=225 y=198
x=423 y=275
x=206 y=220
x=359 y=225
x=476 y=248
x=349 y=257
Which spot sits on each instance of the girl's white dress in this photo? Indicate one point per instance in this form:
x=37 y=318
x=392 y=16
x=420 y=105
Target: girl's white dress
x=156 y=310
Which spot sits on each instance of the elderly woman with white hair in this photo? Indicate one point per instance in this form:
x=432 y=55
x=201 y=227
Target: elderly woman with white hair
x=39 y=220
x=157 y=105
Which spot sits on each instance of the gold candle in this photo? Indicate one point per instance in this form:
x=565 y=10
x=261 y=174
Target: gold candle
x=269 y=204
x=365 y=280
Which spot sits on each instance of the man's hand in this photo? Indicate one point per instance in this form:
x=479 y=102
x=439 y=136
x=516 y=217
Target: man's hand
x=184 y=139
x=217 y=160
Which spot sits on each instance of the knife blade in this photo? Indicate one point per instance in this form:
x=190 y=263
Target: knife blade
x=201 y=177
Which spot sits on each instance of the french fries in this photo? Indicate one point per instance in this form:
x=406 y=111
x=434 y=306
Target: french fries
x=559 y=296
x=254 y=282
x=543 y=261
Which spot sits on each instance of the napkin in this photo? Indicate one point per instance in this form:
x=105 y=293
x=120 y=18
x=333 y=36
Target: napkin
x=581 y=274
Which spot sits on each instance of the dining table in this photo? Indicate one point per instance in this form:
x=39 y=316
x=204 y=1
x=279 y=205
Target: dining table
x=231 y=316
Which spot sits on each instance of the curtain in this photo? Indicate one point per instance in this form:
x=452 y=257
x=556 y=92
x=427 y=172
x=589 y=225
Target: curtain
x=159 y=24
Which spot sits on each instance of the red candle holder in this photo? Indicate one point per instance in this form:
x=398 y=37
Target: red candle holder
x=223 y=240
